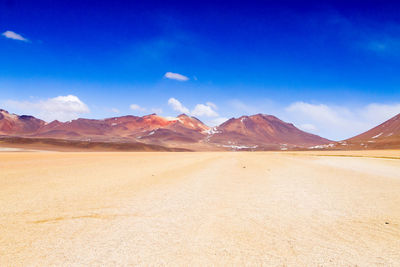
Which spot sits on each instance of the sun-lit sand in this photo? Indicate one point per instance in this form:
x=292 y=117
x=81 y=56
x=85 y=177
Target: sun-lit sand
x=200 y=209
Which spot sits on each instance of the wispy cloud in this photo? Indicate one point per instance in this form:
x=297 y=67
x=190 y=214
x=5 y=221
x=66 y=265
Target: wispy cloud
x=381 y=38
x=14 y=36
x=158 y=111
x=339 y=122
x=318 y=112
x=308 y=127
x=62 y=108
x=136 y=107
x=201 y=110
x=114 y=110
x=386 y=46
x=176 y=76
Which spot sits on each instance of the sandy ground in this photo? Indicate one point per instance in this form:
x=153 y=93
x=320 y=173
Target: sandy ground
x=200 y=209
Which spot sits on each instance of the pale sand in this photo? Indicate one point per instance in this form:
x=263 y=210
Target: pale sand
x=192 y=209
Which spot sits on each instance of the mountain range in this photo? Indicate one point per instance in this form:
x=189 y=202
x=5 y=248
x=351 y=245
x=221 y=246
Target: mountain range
x=256 y=132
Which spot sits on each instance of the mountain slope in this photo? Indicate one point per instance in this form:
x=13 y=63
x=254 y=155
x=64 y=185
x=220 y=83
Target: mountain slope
x=383 y=136
x=11 y=124
x=182 y=130
x=262 y=131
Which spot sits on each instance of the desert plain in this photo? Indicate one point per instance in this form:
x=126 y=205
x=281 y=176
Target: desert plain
x=200 y=209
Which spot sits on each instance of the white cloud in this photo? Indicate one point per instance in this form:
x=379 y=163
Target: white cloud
x=212 y=105
x=339 y=122
x=317 y=112
x=380 y=112
x=177 y=106
x=176 y=76
x=201 y=110
x=62 y=108
x=204 y=110
x=308 y=127
x=14 y=36
x=136 y=107
x=114 y=110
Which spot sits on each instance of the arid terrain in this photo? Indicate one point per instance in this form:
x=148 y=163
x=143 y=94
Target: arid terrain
x=195 y=209
x=155 y=133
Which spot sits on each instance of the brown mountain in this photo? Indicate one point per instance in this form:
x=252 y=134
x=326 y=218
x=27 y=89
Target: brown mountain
x=182 y=129
x=152 y=129
x=11 y=124
x=261 y=131
x=383 y=136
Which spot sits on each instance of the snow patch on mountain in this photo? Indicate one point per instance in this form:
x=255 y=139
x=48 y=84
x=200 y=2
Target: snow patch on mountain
x=376 y=136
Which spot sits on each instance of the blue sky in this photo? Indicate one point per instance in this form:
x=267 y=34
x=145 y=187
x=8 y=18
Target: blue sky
x=331 y=68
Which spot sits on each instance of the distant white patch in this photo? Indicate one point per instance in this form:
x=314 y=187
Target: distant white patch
x=152 y=132
x=238 y=147
x=14 y=36
x=11 y=149
x=176 y=76
x=136 y=107
x=376 y=136
x=322 y=146
x=212 y=131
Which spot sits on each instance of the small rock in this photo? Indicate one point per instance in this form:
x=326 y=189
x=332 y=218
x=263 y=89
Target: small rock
x=386 y=223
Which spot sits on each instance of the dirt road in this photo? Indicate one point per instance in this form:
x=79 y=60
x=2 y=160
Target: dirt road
x=196 y=209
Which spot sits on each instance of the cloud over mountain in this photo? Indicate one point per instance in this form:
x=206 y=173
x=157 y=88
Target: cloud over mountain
x=62 y=108
x=200 y=110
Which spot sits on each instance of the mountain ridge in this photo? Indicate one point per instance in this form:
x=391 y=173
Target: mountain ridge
x=254 y=132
